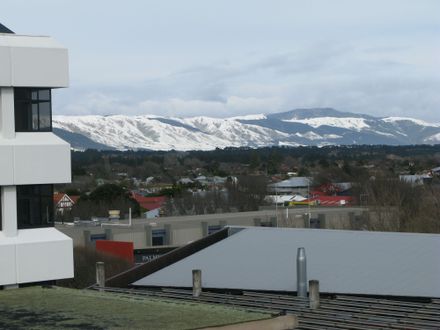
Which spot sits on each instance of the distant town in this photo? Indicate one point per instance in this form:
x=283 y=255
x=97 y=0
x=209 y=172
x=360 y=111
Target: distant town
x=164 y=184
x=305 y=219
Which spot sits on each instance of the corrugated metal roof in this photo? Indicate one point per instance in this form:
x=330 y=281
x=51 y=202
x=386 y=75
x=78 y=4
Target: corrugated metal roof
x=351 y=262
x=292 y=183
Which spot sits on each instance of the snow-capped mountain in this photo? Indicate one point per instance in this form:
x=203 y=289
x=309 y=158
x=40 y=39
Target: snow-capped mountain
x=292 y=128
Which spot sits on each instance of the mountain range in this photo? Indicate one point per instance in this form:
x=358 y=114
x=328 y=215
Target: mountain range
x=320 y=127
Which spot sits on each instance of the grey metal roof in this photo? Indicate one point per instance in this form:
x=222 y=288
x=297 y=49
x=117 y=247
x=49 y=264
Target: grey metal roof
x=4 y=29
x=350 y=262
x=292 y=183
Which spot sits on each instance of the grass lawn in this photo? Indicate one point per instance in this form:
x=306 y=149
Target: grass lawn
x=61 y=308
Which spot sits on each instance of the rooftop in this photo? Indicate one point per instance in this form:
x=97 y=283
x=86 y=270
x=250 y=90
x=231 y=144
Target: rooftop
x=345 y=262
x=57 y=308
x=335 y=312
x=292 y=182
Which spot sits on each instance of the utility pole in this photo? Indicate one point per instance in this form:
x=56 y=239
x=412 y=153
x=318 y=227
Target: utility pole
x=276 y=204
x=308 y=197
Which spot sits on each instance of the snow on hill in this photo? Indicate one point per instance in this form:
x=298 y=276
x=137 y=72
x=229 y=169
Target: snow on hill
x=415 y=121
x=349 y=122
x=297 y=127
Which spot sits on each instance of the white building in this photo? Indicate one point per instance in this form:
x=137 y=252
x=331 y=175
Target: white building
x=32 y=159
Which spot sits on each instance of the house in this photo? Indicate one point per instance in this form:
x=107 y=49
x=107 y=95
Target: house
x=332 y=194
x=64 y=202
x=284 y=199
x=323 y=200
x=185 y=181
x=333 y=189
x=32 y=160
x=151 y=206
x=416 y=179
x=435 y=171
x=292 y=186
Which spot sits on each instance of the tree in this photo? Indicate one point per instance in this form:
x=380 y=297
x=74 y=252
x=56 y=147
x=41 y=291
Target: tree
x=104 y=198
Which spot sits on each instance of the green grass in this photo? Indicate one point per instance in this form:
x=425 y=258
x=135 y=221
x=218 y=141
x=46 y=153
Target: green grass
x=61 y=308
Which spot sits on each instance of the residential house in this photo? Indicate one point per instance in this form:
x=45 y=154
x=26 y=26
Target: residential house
x=64 y=202
x=150 y=206
x=292 y=186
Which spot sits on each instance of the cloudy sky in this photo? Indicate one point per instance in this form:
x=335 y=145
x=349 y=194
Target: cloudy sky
x=233 y=57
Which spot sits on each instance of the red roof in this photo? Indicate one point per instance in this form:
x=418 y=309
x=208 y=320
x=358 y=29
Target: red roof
x=57 y=197
x=149 y=203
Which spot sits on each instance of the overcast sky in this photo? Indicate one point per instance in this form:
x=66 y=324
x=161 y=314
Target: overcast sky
x=233 y=57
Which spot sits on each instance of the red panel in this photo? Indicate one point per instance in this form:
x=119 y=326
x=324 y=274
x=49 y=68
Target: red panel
x=118 y=249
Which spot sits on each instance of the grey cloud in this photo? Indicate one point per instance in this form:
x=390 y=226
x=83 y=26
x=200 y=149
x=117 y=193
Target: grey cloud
x=344 y=76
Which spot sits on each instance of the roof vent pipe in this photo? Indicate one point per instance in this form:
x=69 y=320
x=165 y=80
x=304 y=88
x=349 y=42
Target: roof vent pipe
x=301 y=273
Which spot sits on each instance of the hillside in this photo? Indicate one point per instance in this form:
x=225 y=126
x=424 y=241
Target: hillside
x=317 y=127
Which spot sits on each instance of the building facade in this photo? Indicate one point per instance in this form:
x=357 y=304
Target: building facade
x=32 y=159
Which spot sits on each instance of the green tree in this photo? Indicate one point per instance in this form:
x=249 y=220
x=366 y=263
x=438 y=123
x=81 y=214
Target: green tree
x=104 y=198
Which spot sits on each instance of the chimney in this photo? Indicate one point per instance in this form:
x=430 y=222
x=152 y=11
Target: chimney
x=301 y=273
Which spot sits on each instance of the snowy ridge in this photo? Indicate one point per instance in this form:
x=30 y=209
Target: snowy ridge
x=143 y=132
x=434 y=139
x=250 y=117
x=319 y=127
x=348 y=122
x=415 y=121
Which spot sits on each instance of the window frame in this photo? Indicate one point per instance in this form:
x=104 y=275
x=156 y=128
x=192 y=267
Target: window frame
x=33 y=200
x=30 y=102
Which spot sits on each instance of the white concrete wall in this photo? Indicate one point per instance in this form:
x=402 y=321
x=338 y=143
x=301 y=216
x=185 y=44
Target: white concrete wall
x=41 y=158
x=6 y=164
x=34 y=255
x=8 y=273
x=9 y=210
x=34 y=158
x=7 y=119
x=27 y=61
x=183 y=236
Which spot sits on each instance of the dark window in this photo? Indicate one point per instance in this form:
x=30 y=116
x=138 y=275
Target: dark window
x=33 y=110
x=315 y=223
x=158 y=237
x=158 y=241
x=35 y=206
x=213 y=229
x=96 y=237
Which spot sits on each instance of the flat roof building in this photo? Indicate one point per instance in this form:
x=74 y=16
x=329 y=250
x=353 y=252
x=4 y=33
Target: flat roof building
x=345 y=262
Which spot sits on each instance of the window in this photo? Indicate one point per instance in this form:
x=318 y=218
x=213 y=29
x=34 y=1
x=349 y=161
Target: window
x=35 y=206
x=158 y=237
x=213 y=229
x=33 y=110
